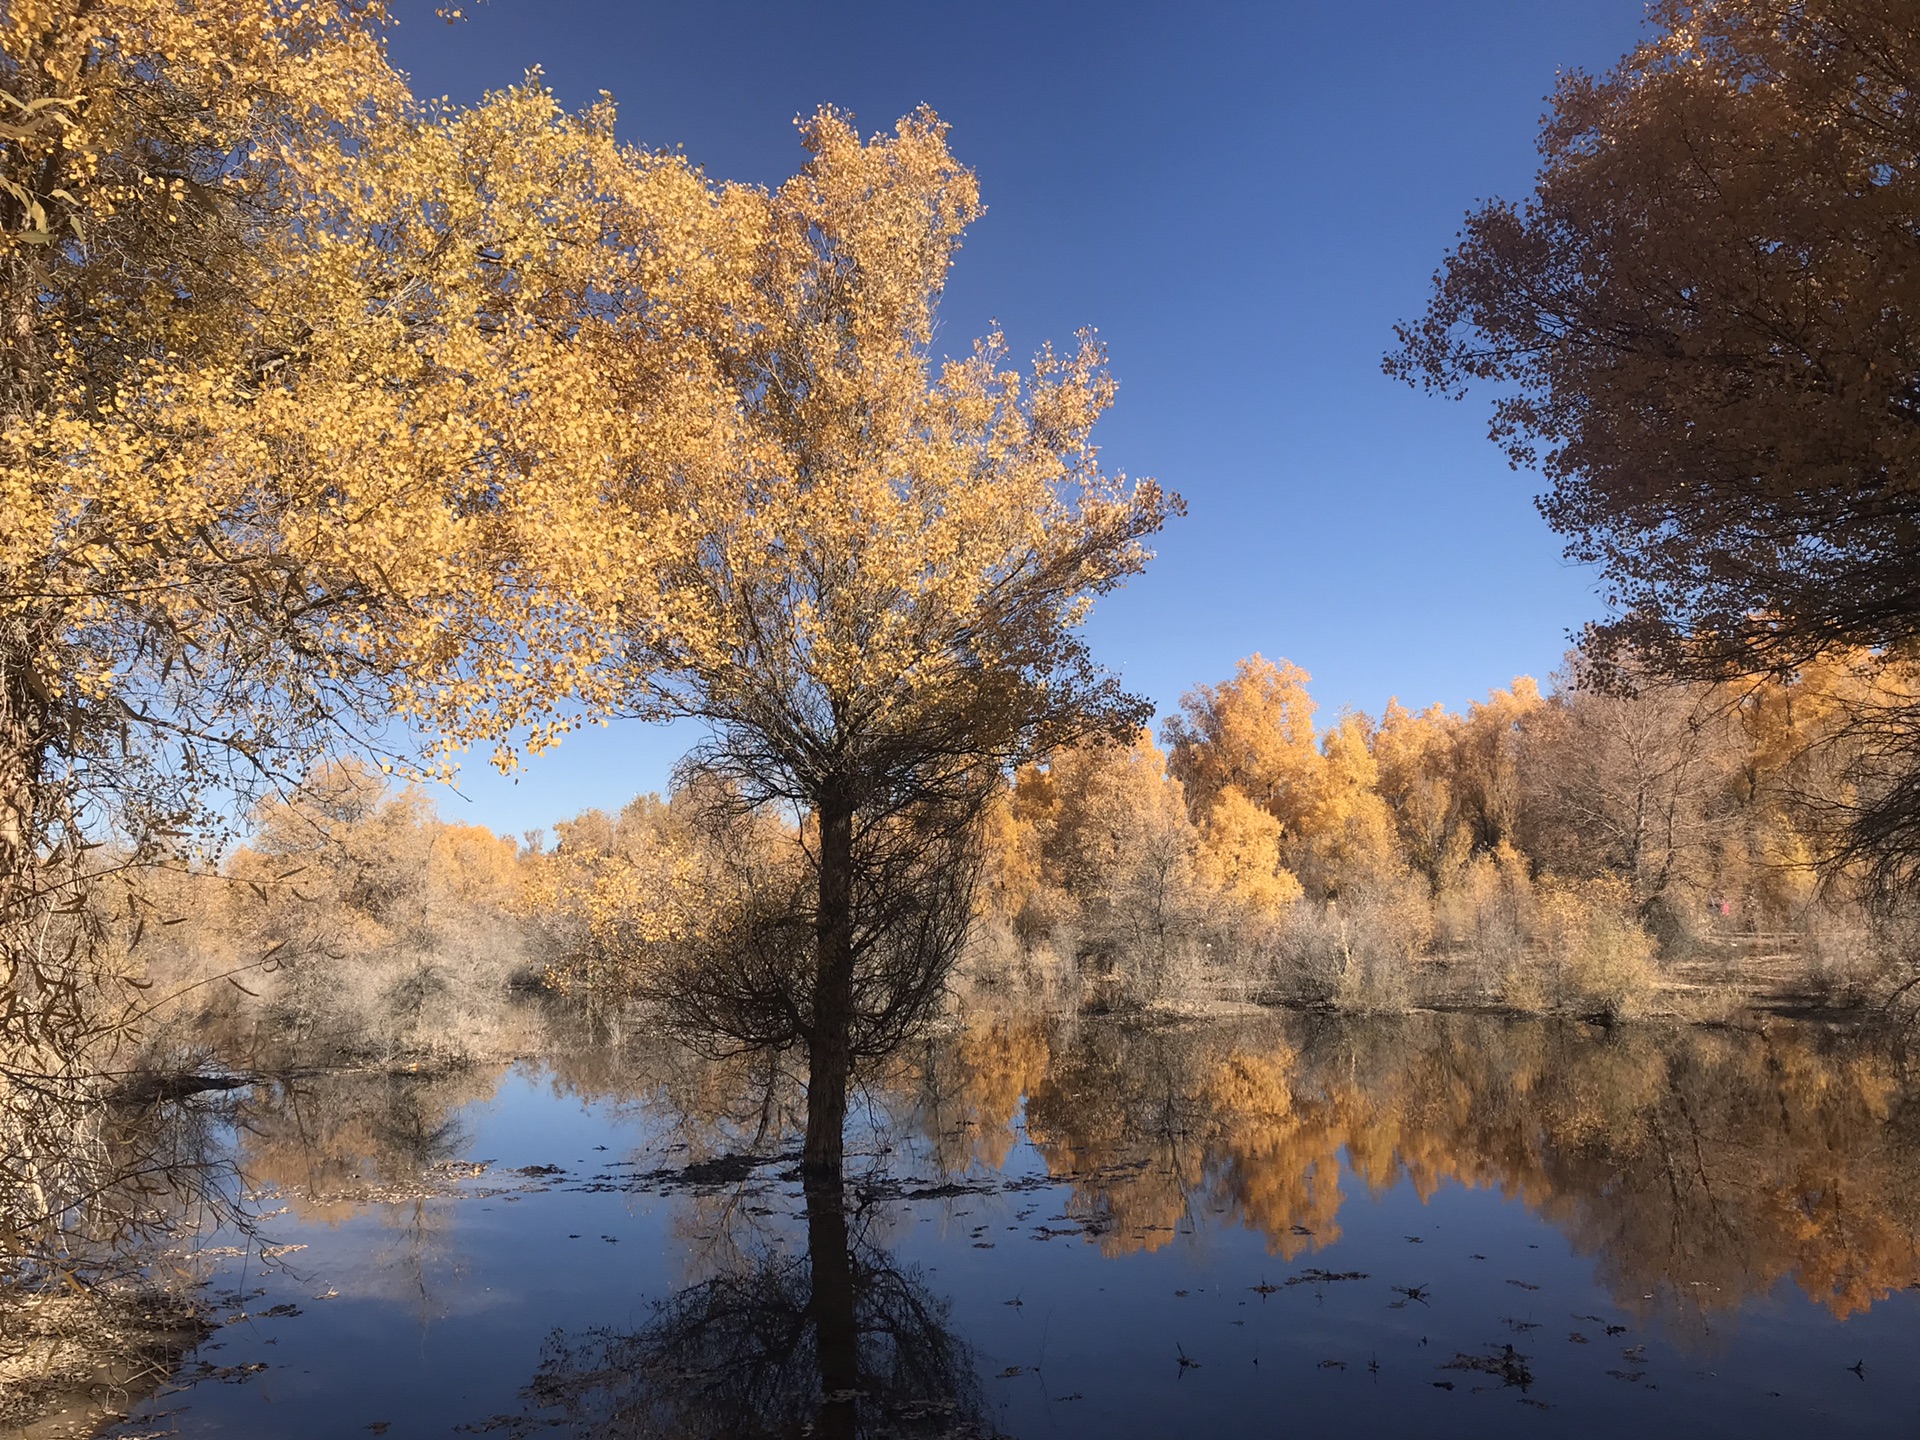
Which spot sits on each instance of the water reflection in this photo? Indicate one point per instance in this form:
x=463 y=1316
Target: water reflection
x=329 y=1143
x=330 y=1147
x=1699 y=1167
x=1124 y=1185
x=832 y=1339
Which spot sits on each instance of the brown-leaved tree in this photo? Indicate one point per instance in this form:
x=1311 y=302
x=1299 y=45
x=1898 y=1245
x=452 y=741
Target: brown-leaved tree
x=1706 y=320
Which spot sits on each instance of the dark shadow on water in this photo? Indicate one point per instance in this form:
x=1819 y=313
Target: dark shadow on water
x=827 y=1337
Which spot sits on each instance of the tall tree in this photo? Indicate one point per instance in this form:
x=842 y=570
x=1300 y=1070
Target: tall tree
x=148 y=629
x=1253 y=733
x=880 y=610
x=1706 y=318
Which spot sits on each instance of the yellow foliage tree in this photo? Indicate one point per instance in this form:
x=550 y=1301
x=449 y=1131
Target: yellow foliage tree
x=1013 y=876
x=1110 y=809
x=1413 y=753
x=1347 y=834
x=1487 y=757
x=313 y=393
x=309 y=391
x=1749 y=500
x=618 y=889
x=1254 y=733
x=147 y=153
x=865 y=571
x=1253 y=736
x=1240 y=854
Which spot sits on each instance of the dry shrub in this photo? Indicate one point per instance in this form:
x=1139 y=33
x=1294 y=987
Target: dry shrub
x=1006 y=969
x=385 y=932
x=1593 y=956
x=1847 y=961
x=1894 y=942
x=441 y=1005
x=1357 y=952
x=1485 y=913
x=1170 y=967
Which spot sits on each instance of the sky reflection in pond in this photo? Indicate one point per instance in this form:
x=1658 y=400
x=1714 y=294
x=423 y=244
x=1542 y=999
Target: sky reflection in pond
x=1445 y=1223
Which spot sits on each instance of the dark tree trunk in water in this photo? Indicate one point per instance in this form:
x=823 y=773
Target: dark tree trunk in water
x=836 y=1330
x=829 y=1047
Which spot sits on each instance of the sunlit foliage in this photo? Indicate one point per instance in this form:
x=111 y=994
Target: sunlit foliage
x=1560 y=851
x=884 y=563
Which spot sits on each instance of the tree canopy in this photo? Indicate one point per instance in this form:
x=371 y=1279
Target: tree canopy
x=1705 y=323
x=1705 y=327
x=306 y=395
x=883 y=561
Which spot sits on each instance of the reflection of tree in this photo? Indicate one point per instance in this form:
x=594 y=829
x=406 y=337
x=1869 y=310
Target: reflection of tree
x=834 y=1341
x=1700 y=1168
x=1119 y=1108
x=332 y=1145
x=970 y=1087
x=327 y=1142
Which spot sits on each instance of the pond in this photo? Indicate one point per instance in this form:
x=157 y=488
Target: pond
x=1442 y=1224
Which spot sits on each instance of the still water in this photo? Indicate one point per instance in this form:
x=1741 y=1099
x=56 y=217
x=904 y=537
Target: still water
x=1443 y=1225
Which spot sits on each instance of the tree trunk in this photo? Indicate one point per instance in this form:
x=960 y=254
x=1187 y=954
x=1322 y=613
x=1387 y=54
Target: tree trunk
x=836 y=1325
x=829 y=1045
x=829 y=1069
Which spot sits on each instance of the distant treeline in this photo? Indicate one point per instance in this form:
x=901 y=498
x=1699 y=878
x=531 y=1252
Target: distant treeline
x=1561 y=851
x=1600 y=852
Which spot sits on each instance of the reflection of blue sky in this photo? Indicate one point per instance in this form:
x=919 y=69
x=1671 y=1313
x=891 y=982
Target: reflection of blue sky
x=445 y=1332
x=1244 y=198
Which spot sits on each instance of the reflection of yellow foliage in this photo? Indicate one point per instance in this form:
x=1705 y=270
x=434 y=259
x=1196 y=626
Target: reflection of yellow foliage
x=1130 y=1150
x=1676 y=1156
x=1672 y=1156
x=993 y=1064
x=1277 y=1160
x=330 y=1145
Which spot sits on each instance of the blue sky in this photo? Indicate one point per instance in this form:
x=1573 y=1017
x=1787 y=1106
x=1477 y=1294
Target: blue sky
x=1243 y=198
